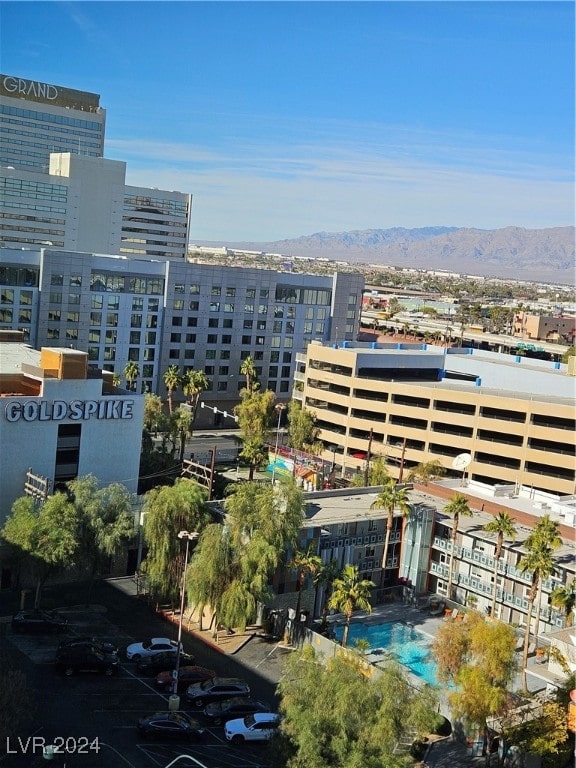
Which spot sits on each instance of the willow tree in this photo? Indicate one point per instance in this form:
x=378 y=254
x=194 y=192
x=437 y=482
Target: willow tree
x=390 y=498
x=167 y=511
x=233 y=563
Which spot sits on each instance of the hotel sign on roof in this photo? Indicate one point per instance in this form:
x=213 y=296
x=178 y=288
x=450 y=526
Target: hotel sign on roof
x=34 y=90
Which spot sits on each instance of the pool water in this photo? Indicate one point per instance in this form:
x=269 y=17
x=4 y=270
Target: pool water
x=407 y=646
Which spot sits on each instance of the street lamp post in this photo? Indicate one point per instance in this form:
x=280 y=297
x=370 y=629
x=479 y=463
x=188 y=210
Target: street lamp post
x=189 y=536
x=279 y=408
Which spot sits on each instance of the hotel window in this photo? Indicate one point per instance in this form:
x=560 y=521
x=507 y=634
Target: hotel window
x=248 y=324
x=56 y=279
x=264 y=293
x=54 y=315
x=26 y=298
x=214 y=306
x=274 y=357
x=350 y=314
x=190 y=338
x=52 y=333
x=135 y=337
x=94 y=336
x=154 y=286
x=152 y=321
x=137 y=304
x=174 y=354
x=225 y=354
x=113 y=302
x=277 y=326
x=248 y=309
x=258 y=355
x=194 y=288
x=349 y=328
x=75 y=281
x=147 y=371
x=273 y=371
x=216 y=290
x=226 y=339
x=351 y=299
x=227 y=323
x=210 y=354
x=73 y=298
x=287 y=357
x=228 y=307
x=153 y=305
x=275 y=342
x=175 y=338
x=72 y=334
x=223 y=370
x=7 y=296
x=209 y=370
x=178 y=304
x=179 y=288
x=289 y=327
x=260 y=341
x=188 y=354
x=263 y=309
x=93 y=353
x=246 y=339
x=192 y=322
x=6 y=315
x=321 y=313
x=261 y=325
x=273 y=385
x=112 y=319
x=307 y=327
x=230 y=292
x=250 y=293
x=96 y=301
x=213 y=322
x=95 y=318
x=212 y=338
x=244 y=354
x=73 y=317
x=149 y=353
x=320 y=327
x=285 y=371
x=133 y=354
x=288 y=342
x=150 y=337
x=109 y=353
x=135 y=321
x=55 y=298
x=309 y=313
x=222 y=386
x=278 y=311
x=176 y=322
x=193 y=306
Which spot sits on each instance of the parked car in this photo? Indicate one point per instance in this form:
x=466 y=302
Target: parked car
x=258 y=727
x=171 y=725
x=150 y=647
x=204 y=693
x=160 y=662
x=234 y=708
x=81 y=658
x=186 y=676
x=39 y=621
x=89 y=642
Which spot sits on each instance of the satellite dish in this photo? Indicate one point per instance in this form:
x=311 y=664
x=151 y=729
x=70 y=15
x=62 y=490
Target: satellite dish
x=461 y=461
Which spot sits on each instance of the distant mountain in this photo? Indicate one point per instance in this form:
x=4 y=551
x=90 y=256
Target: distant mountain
x=546 y=255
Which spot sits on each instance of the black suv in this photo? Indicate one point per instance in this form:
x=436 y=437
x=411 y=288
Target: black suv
x=200 y=694
x=89 y=658
x=39 y=621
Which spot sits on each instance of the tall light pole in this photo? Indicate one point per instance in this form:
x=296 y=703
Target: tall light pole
x=189 y=536
x=278 y=408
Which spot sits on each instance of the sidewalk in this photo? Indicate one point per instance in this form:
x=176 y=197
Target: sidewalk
x=447 y=753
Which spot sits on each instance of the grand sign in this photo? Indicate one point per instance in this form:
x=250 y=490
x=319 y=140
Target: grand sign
x=33 y=90
x=76 y=410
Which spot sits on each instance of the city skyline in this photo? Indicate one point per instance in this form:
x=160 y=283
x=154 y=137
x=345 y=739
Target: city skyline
x=284 y=119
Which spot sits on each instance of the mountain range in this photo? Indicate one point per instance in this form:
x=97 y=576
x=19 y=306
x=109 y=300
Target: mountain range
x=542 y=255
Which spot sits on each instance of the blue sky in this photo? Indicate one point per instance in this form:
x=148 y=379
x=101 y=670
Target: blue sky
x=288 y=118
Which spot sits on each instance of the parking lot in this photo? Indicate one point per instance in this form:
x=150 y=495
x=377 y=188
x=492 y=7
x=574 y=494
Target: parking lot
x=92 y=718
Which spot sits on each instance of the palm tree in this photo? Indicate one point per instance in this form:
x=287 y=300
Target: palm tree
x=539 y=561
x=131 y=373
x=325 y=577
x=349 y=594
x=193 y=384
x=502 y=525
x=457 y=507
x=172 y=380
x=248 y=369
x=564 y=597
x=390 y=498
x=116 y=380
x=426 y=471
x=305 y=562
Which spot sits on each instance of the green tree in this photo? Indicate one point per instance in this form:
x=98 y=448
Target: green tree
x=377 y=474
x=116 y=379
x=349 y=594
x=478 y=658
x=302 y=430
x=427 y=471
x=570 y=352
x=152 y=412
x=248 y=369
x=334 y=716
x=172 y=380
x=255 y=414
x=390 y=498
x=564 y=598
x=183 y=421
x=168 y=510
x=539 y=561
x=232 y=565
x=131 y=373
x=305 y=563
x=324 y=579
x=105 y=518
x=194 y=383
x=46 y=534
x=503 y=526
x=457 y=507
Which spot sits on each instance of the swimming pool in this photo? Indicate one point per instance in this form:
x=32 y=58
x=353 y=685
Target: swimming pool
x=409 y=647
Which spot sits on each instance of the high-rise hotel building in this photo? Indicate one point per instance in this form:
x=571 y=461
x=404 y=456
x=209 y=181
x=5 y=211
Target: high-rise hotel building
x=58 y=190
